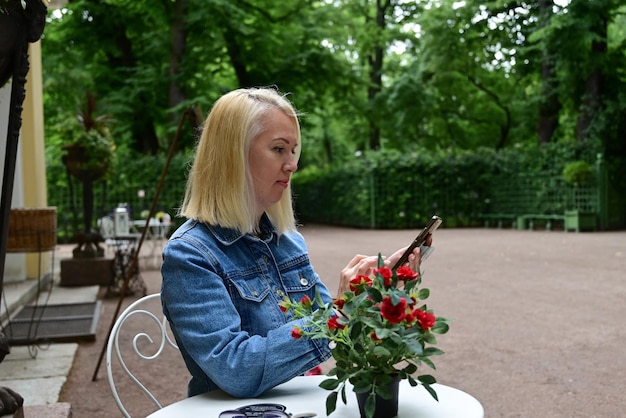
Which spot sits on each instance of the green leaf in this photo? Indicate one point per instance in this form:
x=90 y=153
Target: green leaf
x=423 y=294
x=372 y=322
x=374 y=294
x=331 y=403
x=362 y=387
x=395 y=298
x=330 y=384
x=427 y=379
x=318 y=298
x=429 y=338
x=381 y=262
x=415 y=346
x=384 y=391
x=433 y=351
x=382 y=332
x=409 y=285
x=440 y=328
x=428 y=362
x=370 y=406
x=356 y=330
x=432 y=392
x=381 y=351
x=410 y=368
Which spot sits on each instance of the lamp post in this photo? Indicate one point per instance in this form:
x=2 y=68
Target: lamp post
x=19 y=25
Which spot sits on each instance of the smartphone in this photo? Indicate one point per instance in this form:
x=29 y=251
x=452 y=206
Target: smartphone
x=432 y=225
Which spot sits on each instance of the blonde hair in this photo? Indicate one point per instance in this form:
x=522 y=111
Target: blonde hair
x=219 y=189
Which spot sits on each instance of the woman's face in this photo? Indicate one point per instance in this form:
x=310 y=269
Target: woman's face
x=273 y=159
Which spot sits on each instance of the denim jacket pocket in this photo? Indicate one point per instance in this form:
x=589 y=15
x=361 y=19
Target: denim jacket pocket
x=301 y=281
x=253 y=289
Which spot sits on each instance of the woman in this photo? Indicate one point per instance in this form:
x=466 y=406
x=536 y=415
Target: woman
x=227 y=268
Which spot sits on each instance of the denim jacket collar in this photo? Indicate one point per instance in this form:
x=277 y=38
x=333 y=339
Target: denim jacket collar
x=229 y=236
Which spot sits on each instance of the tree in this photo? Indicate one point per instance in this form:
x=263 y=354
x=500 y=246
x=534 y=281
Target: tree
x=549 y=103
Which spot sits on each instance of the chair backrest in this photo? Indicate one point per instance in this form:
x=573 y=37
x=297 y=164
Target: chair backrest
x=147 y=322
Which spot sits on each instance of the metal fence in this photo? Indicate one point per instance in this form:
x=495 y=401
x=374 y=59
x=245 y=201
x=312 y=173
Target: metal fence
x=373 y=199
x=138 y=199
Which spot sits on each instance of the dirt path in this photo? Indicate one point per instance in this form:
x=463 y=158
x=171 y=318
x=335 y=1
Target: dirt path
x=538 y=320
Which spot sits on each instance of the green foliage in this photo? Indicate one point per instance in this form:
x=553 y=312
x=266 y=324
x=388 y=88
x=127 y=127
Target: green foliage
x=389 y=189
x=394 y=190
x=87 y=137
x=577 y=172
x=456 y=77
x=456 y=74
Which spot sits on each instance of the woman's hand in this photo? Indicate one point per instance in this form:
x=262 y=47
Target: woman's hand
x=359 y=265
x=414 y=259
x=365 y=265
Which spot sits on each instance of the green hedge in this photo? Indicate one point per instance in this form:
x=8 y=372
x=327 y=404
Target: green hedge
x=395 y=190
x=385 y=189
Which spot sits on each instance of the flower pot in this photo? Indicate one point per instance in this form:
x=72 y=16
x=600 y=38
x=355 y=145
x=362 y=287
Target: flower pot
x=384 y=408
x=76 y=159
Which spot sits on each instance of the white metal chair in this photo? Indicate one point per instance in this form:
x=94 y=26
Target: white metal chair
x=142 y=342
x=107 y=230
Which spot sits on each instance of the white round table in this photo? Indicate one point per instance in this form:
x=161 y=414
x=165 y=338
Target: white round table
x=303 y=394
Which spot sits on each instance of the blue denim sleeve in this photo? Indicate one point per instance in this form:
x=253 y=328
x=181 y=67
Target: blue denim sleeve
x=207 y=327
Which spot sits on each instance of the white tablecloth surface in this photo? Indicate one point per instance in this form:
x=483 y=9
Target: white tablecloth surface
x=302 y=394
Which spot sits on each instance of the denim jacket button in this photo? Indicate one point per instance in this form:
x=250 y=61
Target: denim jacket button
x=303 y=281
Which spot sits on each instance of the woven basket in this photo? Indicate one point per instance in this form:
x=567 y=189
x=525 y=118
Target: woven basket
x=32 y=229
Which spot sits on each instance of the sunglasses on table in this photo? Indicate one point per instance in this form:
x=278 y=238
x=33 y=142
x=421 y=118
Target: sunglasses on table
x=264 y=410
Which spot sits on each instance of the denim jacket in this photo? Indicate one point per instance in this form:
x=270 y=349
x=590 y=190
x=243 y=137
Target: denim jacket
x=221 y=292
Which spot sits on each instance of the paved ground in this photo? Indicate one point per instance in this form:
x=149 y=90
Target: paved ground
x=538 y=320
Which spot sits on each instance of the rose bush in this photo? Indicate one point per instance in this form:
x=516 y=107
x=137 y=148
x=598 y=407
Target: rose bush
x=378 y=329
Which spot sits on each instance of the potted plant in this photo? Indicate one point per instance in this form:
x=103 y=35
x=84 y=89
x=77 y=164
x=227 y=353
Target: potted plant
x=578 y=173
x=380 y=332
x=88 y=155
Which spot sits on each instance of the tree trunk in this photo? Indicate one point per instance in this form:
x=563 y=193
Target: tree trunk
x=234 y=53
x=177 y=52
x=592 y=97
x=144 y=134
x=549 y=106
x=376 y=74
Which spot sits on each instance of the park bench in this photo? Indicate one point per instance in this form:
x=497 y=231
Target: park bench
x=499 y=218
x=524 y=221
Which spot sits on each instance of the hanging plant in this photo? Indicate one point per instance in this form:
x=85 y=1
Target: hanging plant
x=90 y=149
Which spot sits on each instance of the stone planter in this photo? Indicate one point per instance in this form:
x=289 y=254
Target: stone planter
x=576 y=220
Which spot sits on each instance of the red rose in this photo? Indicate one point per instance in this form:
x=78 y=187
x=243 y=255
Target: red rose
x=409 y=318
x=283 y=307
x=393 y=313
x=333 y=324
x=374 y=337
x=405 y=273
x=306 y=301
x=296 y=333
x=425 y=319
x=339 y=303
x=359 y=282
x=386 y=274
